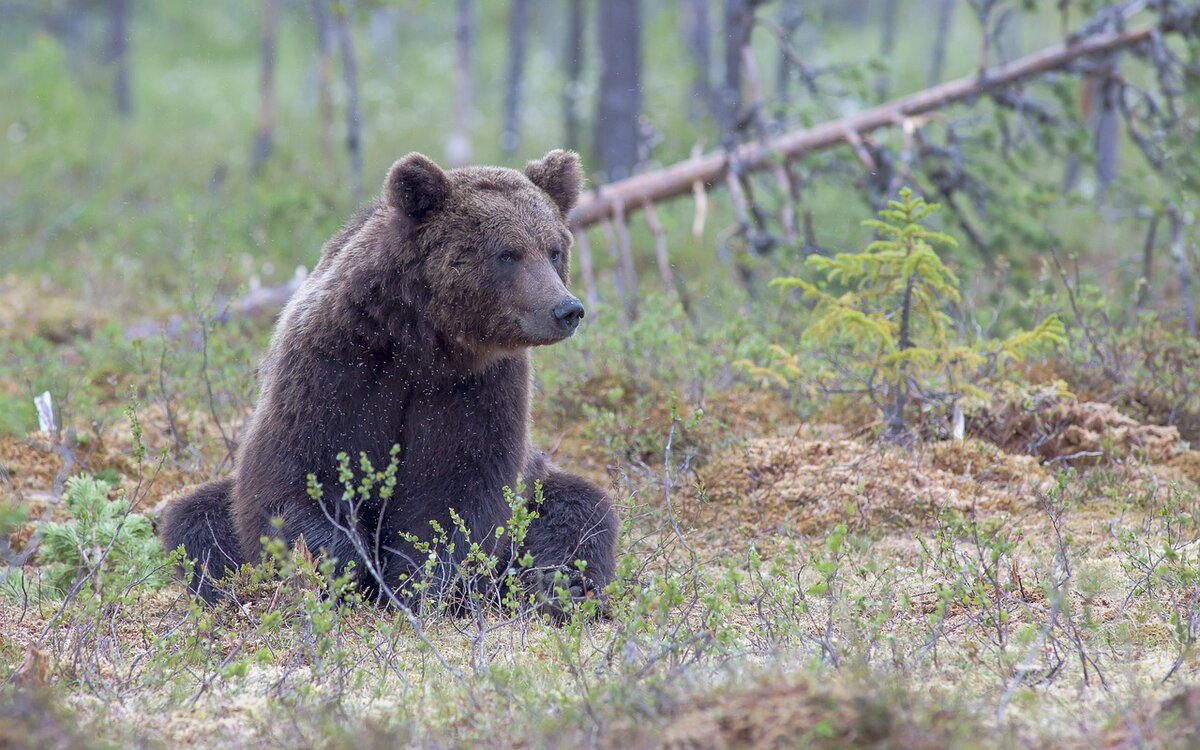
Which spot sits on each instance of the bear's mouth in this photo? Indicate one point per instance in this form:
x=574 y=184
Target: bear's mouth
x=543 y=330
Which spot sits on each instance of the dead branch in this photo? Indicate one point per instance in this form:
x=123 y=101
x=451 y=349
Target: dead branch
x=258 y=301
x=672 y=284
x=678 y=179
x=587 y=269
x=627 y=269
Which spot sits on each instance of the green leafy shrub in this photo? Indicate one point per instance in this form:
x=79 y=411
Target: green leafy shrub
x=882 y=322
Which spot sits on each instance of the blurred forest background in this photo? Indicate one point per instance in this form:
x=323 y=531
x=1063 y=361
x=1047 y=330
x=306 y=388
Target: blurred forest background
x=927 y=482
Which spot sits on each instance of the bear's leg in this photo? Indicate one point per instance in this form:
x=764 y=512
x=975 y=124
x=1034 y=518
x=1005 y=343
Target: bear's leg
x=202 y=524
x=575 y=521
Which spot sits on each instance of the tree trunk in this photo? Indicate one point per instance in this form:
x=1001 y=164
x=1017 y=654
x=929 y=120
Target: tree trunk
x=790 y=19
x=320 y=10
x=510 y=139
x=937 y=61
x=895 y=431
x=572 y=95
x=887 y=45
x=341 y=25
x=1143 y=292
x=620 y=95
x=739 y=22
x=697 y=32
x=458 y=145
x=119 y=52
x=1183 y=268
x=264 y=138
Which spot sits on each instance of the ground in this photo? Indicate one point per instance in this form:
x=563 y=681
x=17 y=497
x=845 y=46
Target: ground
x=781 y=579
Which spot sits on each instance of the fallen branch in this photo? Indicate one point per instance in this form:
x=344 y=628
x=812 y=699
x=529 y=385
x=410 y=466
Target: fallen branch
x=710 y=169
x=261 y=301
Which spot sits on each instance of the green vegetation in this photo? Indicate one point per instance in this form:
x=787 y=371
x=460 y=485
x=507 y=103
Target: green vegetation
x=100 y=538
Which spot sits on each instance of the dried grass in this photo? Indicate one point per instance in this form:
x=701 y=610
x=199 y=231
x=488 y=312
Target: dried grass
x=807 y=486
x=1078 y=432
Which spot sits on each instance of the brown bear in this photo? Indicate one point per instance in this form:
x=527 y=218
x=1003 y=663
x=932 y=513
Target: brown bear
x=414 y=330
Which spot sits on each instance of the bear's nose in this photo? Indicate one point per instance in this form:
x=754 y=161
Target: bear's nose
x=568 y=313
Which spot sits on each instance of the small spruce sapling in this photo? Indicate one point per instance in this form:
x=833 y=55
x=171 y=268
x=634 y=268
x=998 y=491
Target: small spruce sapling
x=890 y=330
x=100 y=533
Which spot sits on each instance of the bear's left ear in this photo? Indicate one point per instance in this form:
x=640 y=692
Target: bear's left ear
x=415 y=186
x=559 y=175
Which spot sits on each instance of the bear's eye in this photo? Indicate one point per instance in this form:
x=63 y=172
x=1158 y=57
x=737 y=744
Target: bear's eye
x=509 y=256
x=555 y=255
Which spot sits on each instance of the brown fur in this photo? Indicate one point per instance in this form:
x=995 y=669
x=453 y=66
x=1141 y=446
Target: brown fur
x=413 y=329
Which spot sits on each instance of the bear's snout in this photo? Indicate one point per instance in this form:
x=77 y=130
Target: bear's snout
x=568 y=313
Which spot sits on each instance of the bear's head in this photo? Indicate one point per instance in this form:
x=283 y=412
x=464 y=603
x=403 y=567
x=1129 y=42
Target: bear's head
x=494 y=247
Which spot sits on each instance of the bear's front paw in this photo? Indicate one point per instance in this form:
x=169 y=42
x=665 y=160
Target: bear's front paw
x=558 y=591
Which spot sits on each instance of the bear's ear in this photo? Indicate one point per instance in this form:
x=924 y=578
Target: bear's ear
x=415 y=186
x=559 y=175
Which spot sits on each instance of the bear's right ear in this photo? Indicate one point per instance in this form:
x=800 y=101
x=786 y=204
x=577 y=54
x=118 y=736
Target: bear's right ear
x=559 y=175
x=415 y=186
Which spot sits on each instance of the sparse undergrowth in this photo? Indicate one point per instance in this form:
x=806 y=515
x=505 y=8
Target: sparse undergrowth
x=748 y=608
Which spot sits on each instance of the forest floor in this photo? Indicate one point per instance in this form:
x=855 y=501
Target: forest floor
x=787 y=583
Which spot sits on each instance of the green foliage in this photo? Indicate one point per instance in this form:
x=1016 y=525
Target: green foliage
x=882 y=316
x=100 y=538
x=458 y=569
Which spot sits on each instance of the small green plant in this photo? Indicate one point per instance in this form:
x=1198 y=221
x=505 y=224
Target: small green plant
x=455 y=570
x=101 y=537
x=882 y=318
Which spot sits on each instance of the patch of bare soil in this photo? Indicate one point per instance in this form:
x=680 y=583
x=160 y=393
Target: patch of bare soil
x=30 y=467
x=1187 y=464
x=26 y=465
x=1074 y=432
x=792 y=714
x=807 y=486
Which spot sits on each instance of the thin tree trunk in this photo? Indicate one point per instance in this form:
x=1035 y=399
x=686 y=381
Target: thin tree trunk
x=620 y=95
x=320 y=9
x=937 y=62
x=572 y=94
x=1143 y=292
x=1184 y=269
x=739 y=23
x=787 y=208
x=119 y=52
x=341 y=25
x=264 y=138
x=510 y=139
x=887 y=45
x=458 y=145
x=790 y=19
x=1106 y=137
x=895 y=422
x=697 y=31
x=710 y=169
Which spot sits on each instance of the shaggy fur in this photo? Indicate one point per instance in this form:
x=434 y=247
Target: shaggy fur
x=413 y=329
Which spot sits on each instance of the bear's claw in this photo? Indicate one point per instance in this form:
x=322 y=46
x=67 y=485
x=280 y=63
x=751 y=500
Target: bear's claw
x=546 y=584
